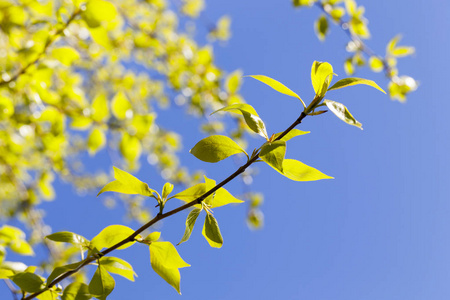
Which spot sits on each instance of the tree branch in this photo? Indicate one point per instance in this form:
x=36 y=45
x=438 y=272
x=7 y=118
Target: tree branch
x=160 y=216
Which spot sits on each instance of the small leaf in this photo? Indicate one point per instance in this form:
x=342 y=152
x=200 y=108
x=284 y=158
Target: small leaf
x=273 y=154
x=291 y=134
x=254 y=122
x=376 y=64
x=354 y=81
x=100 y=111
x=102 y=284
x=66 y=55
x=96 y=141
x=321 y=26
x=277 y=86
x=98 y=11
x=211 y=232
x=215 y=148
x=28 y=282
x=110 y=236
x=121 y=106
x=402 y=51
x=167 y=189
x=223 y=197
x=58 y=271
x=6 y=274
x=153 y=237
x=342 y=113
x=126 y=183
x=118 y=266
x=68 y=237
x=166 y=261
x=321 y=76
x=191 y=193
x=21 y=247
x=76 y=291
x=298 y=171
x=190 y=222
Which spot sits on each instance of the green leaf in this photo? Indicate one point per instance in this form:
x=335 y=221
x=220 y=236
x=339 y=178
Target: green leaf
x=66 y=55
x=58 y=271
x=28 y=282
x=191 y=193
x=273 y=154
x=321 y=77
x=190 y=222
x=76 y=291
x=118 y=266
x=96 y=140
x=298 y=171
x=291 y=134
x=277 y=86
x=402 y=51
x=254 y=122
x=152 y=237
x=21 y=247
x=130 y=147
x=166 y=261
x=211 y=232
x=98 y=11
x=215 y=148
x=110 y=236
x=100 y=111
x=102 y=284
x=68 y=237
x=167 y=189
x=342 y=113
x=126 y=183
x=354 y=81
x=6 y=274
x=9 y=233
x=376 y=64
x=121 y=106
x=223 y=197
x=321 y=27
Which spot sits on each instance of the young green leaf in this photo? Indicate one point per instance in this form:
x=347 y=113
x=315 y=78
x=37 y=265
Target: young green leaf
x=167 y=189
x=223 y=197
x=21 y=247
x=58 y=271
x=68 y=237
x=277 y=86
x=98 y=11
x=354 y=81
x=126 y=183
x=28 y=282
x=66 y=55
x=321 y=77
x=376 y=64
x=110 y=236
x=76 y=291
x=291 y=134
x=321 y=27
x=252 y=119
x=273 y=154
x=191 y=193
x=298 y=171
x=211 y=232
x=216 y=148
x=342 y=113
x=190 y=222
x=153 y=237
x=102 y=284
x=166 y=261
x=5 y=273
x=118 y=266
x=99 y=108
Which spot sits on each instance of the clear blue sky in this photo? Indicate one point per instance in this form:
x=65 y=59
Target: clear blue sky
x=379 y=230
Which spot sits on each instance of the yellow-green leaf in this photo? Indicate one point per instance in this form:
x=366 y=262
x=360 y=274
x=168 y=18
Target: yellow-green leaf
x=273 y=154
x=190 y=222
x=321 y=77
x=321 y=27
x=342 y=113
x=110 y=236
x=58 y=271
x=166 y=261
x=376 y=64
x=291 y=134
x=96 y=140
x=76 y=291
x=130 y=147
x=68 y=237
x=28 y=282
x=126 y=183
x=298 y=171
x=223 y=197
x=215 y=148
x=354 y=81
x=100 y=111
x=254 y=122
x=21 y=247
x=98 y=11
x=121 y=106
x=277 y=86
x=102 y=284
x=66 y=55
x=118 y=266
x=191 y=193
x=167 y=189
x=211 y=232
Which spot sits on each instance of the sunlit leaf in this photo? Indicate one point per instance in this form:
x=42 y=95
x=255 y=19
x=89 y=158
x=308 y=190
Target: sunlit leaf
x=321 y=26
x=153 y=237
x=254 y=122
x=342 y=113
x=58 y=271
x=21 y=247
x=211 y=232
x=102 y=284
x=215 y=148
x=66 y=55
x=277 y=86
x=130 y=147
x=121 y=106
x=98 y=11
x=96 y=140
x=76 y=291
x=321 y=77
x=291 y=134
x=110 y=236
x=126 y=183
x=354 y=81
x=167 y=189
x=28 y=282
x=68 y=237
x=191 y=193
x=190 y=222
x=298 y=171
x=100 y=111
x=166 y=261
x=273 y=154
x=118 y=266
x=376 y=64
x=223 y=197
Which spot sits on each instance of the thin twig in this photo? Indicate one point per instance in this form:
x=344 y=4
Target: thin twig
x=160 y=216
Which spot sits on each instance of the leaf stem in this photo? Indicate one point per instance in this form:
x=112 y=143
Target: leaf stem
x=160 y=216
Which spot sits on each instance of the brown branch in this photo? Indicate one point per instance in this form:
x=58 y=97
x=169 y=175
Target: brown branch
x=160 y=216
x=49 y=42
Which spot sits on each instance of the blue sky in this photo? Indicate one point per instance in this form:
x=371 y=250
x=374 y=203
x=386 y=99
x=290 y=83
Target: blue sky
x=379 y=230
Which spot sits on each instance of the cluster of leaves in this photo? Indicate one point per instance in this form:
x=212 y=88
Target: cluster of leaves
x=350 y=17
x=164 y=258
